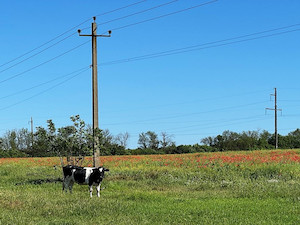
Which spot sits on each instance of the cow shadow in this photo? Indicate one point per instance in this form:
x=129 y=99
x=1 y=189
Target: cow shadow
x=40 y=181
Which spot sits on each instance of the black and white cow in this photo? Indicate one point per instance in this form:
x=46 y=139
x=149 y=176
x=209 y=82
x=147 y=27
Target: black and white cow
x=83 y=175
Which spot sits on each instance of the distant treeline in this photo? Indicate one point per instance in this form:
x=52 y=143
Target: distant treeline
x=77 y=139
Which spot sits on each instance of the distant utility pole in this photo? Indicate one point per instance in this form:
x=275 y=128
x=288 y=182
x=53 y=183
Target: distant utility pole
x=275 y=110
x=31 y=130
x=96 y=149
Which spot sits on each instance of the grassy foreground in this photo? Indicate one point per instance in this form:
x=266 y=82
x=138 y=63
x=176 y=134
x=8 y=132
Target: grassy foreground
x=260 y=187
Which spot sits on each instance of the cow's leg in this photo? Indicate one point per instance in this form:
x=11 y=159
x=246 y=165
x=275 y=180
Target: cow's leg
x=91 y=190
x=70 y=185
x=98 y=190
x=65 y=183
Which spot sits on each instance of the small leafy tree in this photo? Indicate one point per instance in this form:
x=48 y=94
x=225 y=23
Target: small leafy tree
x=122 y=139
x=79 y=138
x=148 y=140
x=143 y=140
x=153 y=140
x=41 y=145
x=166 y=140
x=295 y=138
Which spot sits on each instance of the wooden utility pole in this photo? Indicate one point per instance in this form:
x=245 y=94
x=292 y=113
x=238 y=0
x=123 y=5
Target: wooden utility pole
x=275 y=110
x=31 y=131
x=96 y=149
x=31 y=126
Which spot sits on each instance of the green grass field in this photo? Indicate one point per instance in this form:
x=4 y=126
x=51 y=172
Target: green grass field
x=260 y=187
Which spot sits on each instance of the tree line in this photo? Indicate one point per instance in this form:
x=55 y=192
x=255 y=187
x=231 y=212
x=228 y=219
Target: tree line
x=77 y=139
x=252 y=140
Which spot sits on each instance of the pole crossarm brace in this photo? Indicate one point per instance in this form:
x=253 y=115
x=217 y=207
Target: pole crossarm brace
x=96 y=144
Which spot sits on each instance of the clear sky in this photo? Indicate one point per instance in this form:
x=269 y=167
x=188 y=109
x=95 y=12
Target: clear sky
x=169 y=66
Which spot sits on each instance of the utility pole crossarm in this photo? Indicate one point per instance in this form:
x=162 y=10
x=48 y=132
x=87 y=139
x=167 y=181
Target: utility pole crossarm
x=274 y=109
x=89 y=35
x=94 y=29
x=96 y=149
x=269 y=109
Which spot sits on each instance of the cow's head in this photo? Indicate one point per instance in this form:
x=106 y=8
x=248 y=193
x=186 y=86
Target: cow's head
x=98 y=174
x=102 y=170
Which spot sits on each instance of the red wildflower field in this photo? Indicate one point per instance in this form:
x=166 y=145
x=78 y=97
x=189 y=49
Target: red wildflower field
x=196 y=160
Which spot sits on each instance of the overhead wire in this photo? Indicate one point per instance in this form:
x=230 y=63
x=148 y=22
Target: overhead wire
x=187 y=114
x=40 y=46
x=30 y=69
x=164 y=15
x=219 y=124
x=81 y=72
x=210 y=45
x=180 y=133
x=291 y=129
x=189 y=46
x=44 y=83
x=190 y=102
x=161 y=5
x=46 y=90
x=21 y=73
x=43 y=63
x=139 y=12
x=123 y=7
x=37 y=53
x=67 y=31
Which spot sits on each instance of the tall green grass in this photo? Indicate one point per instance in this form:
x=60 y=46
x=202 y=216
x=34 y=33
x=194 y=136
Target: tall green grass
x=154 y=193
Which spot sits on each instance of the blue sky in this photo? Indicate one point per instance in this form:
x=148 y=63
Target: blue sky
x=191 y=93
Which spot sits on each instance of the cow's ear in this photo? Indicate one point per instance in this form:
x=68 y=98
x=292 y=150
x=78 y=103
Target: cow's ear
x=106 y=169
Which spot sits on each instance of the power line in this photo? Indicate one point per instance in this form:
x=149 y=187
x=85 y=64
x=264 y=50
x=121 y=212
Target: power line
x=188 y=102
x=291 y=129
x=124 y=7
x=44 y=83
x=139 y=12
x=41 y=64
x=37 y=53
x=42 y=92
x=87 y=28
x=209 y=127
x=67 y=38
x=146 y=10
x=210 y=45
x=67 y=31
x=40 y=46
x=164 y=15
x=219 y=125
x=188 y=114
x=217 y=122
